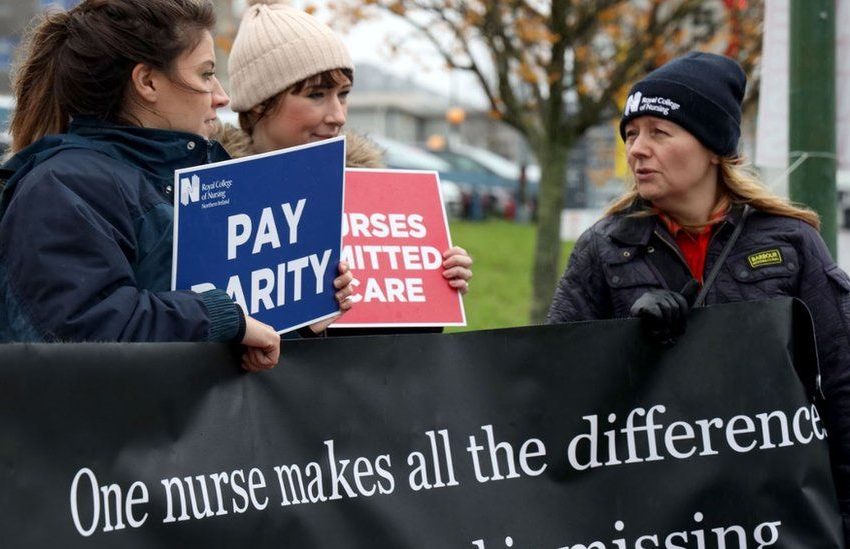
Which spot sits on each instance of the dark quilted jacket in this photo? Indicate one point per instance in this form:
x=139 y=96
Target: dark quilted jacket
x=612 y=265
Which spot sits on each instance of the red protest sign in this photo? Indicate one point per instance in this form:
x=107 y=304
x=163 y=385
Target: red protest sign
x=394 y=234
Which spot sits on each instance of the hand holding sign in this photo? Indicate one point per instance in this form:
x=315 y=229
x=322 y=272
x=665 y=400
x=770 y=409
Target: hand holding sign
x=343 y=283
x=263 y=346
x=457 y=268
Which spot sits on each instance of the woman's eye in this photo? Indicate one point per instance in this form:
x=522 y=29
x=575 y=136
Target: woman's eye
x=316 y=95
x=344 y=95
x=209 y=75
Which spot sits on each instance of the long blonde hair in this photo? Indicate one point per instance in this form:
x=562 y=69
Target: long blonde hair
x=740 y=184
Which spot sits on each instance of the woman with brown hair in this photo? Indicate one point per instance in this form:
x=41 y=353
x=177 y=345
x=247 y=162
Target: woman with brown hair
x=290 y=76
x=695 y=219
x=113 y=96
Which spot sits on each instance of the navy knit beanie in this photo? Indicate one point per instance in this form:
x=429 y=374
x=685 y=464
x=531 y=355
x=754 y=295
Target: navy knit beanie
x=702 y=92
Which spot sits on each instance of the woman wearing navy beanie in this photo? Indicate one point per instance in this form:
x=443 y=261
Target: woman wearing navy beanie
x=695 y=220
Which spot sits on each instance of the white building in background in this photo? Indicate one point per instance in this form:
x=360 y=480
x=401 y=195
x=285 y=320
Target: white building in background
x=385 y=104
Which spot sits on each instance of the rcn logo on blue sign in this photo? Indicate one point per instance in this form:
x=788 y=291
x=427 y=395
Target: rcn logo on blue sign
x=190 y=189
x=265 y=229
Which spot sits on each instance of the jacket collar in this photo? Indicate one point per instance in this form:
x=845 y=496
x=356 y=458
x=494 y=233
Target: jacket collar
x=155 y=151
x=636 y=230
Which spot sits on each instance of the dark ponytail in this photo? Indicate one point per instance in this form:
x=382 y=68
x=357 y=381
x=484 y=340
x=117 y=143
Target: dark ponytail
x=80 y=62
x=38 y=111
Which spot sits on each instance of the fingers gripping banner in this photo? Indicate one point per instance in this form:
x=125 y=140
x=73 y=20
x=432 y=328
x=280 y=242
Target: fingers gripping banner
x=580 y=436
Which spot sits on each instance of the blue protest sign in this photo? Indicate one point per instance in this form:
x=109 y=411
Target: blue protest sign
x=267 y=229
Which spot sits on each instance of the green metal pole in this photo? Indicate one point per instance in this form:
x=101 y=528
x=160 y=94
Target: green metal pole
x=811 y=128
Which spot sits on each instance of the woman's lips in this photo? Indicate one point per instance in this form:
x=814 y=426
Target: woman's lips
x=644 y=173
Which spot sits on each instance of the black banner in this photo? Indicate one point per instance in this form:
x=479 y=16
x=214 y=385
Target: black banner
x=582 y=436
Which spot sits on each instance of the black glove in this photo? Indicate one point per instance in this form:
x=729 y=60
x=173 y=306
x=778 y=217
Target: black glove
x=664 y=313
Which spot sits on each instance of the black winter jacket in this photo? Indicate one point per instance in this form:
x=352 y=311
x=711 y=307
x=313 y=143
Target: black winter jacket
x=617 y=260
x=86 y=224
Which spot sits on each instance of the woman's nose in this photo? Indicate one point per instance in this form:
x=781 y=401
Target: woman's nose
x=336 y=112
x=638 y=146
x=219 y=96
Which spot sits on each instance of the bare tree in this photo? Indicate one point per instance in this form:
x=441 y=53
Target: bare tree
x=551 y=69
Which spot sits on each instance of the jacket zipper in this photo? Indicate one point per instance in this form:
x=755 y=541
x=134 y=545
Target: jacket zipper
x=679 y=253
x=674 y=248
x=714 y=234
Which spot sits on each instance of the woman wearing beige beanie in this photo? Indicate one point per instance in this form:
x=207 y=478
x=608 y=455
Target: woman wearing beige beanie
x=290 y=77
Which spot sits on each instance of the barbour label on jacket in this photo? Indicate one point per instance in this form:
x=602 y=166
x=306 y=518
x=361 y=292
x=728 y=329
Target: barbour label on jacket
x=765 y=258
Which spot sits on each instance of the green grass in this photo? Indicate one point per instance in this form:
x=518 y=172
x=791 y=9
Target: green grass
x=500 y=290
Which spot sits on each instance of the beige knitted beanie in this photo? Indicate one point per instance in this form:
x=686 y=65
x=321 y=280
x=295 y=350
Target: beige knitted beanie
x=278 y=45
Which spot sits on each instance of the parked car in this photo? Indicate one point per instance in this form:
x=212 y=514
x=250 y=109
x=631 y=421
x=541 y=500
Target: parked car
x=491 y=162
x=401 y=156
x=493 y=176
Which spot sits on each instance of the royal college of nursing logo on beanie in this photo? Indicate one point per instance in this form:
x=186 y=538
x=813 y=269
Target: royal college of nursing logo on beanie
x=637 y=103
x=632 y=103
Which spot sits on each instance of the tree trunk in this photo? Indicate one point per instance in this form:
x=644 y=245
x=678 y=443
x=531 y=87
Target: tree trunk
x=550 y=201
